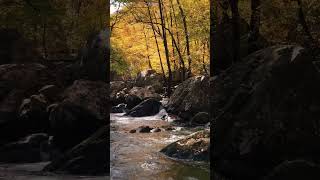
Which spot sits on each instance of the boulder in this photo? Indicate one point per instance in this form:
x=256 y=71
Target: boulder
x=71 y=123
x=33 y=114
x=147 y=77
x=89 y=157
x=148 y=107
x=51 y=92
x=266 y=109
x=33 y=148
x=200 y=118
x=144 y=129
x=190 y=97
x=155 y=130
x=145 y=92
x=193 y=147
x=121 y=108
x=132 y=100
x=91 y=95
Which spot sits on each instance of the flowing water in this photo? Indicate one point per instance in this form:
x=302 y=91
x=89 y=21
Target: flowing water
x=32 y=171
x=136 y=156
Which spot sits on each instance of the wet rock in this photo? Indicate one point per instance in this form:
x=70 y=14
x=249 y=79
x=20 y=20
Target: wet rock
x=133 y=131
x=121 y=108
x=190 y=97
x=200 y=118
x=148 y=107
x=132 y=100
x=155 y=130
x=87 y=158
x=33 y=148
x=65 y=118
x=193 y=147
x=144 y=129
x=266 y=109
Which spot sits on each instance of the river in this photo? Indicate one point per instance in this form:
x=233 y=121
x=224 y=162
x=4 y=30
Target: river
x=136 y=156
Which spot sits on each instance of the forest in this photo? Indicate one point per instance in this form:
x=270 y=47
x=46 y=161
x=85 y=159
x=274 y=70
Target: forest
x=139 y=30
x=54 y=89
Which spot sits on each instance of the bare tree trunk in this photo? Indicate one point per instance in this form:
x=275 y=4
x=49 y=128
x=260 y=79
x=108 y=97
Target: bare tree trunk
x=182 y=67
x=254 y=23
x=156 y=40
x=147 y=48
x=186 y=32
x=165 y=43
x=236 y=29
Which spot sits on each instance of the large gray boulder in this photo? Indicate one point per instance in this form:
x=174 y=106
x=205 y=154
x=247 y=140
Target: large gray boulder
x=91 y=95
x=266 y=109
x=190 y=97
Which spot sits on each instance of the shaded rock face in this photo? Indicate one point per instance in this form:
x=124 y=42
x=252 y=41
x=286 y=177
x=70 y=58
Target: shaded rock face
x=33 y=148
x=148 y=107
x=295 y=170
x=91 y=95
x=50 y=92
x=266 y=110
x=33 y=114
x=17 y=82
x=87 y=158
x=193 y=147
x=70 y=124
x=190 y=97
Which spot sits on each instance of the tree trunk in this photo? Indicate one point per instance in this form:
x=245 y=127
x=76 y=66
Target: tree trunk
x=156 y=40
x=165 y=43
x=186 y=32
x=147 y=48
x=236 y=29
x=254 y=23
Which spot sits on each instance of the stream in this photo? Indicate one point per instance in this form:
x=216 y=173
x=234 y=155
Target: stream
x=136 y=156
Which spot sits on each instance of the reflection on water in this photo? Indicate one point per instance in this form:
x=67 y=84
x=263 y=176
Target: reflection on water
x=32 y=171
x=136 y=156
